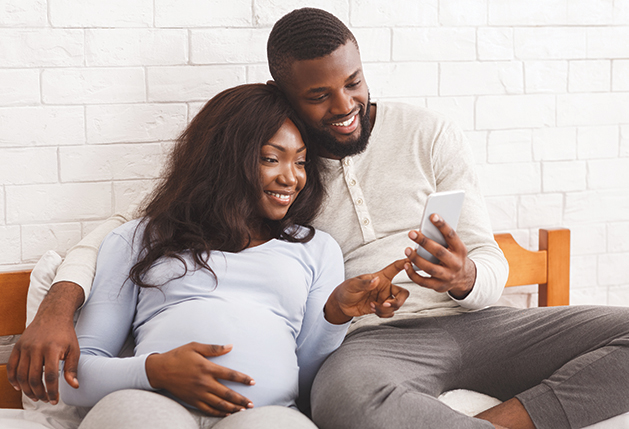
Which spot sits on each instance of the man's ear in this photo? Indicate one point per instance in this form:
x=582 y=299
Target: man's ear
x=272 y=83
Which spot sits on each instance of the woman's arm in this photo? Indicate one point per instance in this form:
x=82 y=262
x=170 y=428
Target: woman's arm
x=103 y=326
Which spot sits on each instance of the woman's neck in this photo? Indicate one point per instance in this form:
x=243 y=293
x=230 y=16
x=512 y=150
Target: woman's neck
x=260 y=234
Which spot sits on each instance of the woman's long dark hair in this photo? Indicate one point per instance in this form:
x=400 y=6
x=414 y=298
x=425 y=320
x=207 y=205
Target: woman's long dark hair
x=208 y=199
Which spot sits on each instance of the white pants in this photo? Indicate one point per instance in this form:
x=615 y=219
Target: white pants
x=139 y=409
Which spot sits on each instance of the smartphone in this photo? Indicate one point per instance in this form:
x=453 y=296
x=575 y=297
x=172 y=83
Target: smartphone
x=447 y=205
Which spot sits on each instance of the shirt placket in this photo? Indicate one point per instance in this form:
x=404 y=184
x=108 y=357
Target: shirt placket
x=358 y=200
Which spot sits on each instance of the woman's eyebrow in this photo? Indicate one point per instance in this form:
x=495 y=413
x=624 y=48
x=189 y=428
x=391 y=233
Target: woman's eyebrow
x=301 y=149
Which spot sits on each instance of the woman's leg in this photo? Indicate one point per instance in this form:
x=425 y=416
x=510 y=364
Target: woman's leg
x=269 y=417
x=138 y=409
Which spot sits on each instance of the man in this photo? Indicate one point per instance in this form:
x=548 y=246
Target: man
x=383 y=160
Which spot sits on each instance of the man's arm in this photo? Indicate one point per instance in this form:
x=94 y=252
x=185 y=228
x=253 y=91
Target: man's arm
x=50 y=337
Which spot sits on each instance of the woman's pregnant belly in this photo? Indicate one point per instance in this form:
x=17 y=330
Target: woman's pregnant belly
x=263 y=343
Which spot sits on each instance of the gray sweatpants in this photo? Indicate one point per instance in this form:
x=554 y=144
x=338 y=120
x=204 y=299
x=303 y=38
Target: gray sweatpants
x=569 y=366
x=141 y=409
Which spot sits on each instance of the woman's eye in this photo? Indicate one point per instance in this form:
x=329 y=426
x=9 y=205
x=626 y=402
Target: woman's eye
x=265 y=159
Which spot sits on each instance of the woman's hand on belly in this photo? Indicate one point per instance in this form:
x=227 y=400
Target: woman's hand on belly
x=186 y=373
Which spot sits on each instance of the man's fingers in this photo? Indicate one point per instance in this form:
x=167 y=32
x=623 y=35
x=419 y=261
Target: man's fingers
x=12 y=368
x=391 y=270
x=51 y=377
x=35 y=381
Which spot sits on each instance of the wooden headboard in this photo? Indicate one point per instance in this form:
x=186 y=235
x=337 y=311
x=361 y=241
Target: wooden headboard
x=549 y=267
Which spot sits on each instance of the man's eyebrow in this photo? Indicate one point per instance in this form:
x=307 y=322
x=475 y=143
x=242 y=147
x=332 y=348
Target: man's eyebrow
x=280 y=148
x=323 y=88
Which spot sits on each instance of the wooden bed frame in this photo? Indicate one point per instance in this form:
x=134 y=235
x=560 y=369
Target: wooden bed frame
x=549 y=267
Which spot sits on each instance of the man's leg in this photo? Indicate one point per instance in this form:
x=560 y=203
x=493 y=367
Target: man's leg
x=390 y=376
x=564 y=353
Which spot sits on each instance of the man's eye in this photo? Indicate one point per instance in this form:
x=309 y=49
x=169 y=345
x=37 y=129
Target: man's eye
x=319 y=98
x=354 y=84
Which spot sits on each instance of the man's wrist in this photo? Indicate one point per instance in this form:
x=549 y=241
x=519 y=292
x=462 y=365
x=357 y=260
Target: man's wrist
x=63 y=299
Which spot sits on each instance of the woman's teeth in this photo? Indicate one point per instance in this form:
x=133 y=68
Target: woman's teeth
x=276 y=195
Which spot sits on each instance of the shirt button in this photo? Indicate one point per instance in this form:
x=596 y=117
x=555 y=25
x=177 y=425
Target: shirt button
x=365 y=221
x=346 y=161
x=352 y=182
x=359 y=201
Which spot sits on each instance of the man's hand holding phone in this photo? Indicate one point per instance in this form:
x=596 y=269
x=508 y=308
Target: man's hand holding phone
x=440 y=253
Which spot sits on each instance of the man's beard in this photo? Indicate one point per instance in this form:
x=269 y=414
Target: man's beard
x=325 y=141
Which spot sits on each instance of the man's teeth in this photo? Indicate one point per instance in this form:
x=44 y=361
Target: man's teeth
x=280 y=196
x=346 y=123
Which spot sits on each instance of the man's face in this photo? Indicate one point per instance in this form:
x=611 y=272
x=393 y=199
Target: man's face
x=332 y=98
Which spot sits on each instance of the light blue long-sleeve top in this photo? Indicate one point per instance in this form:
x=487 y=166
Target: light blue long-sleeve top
x=267 y=301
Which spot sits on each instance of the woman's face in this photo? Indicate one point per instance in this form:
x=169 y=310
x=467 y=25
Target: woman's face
x=282 y=171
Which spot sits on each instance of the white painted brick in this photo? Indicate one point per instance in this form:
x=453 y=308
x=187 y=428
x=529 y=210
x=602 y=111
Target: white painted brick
x=549 y=43
x=503 y=212
x=375 y=13
x=624 y=140
x=533 y=12
x=618 y=237
x=124 y=123
x=38 y=239
x=597 y=142
x=136 y=47
x=459 y=109
x=583 y=273
x=620 y=75
x=94 y=13
x=58 y=203
x=258 y=74
x=589 y=76
x=374 y=43
x=463 y=12
x=228 y=45
x=10 y=246
x=564 y=176
x=621 y=13
x=131 y=193
x=402 y=79
x=613 y=269
x=194 y=109
x=434 y=44
x=2 y=207
x=596 y=206
x=474 y=78
x=40 y=126
x=495 y=43
x=23 y=13
x=192 y=83
x=195 y=13
x=618 y=295
x=590 y=296
x=554 y=144
x=509 y=146
x=609 y=174
x=546 y=76
x=19 y=87
x=110 y=162
x=588 y=239
x=515 y=111
x=606 y=42
x=267 y=12
x=590 y=12
x=478 y=143
x=41 y=47
x=592 y=109
x=93 y=85
x=541 y=210
x=510 y=179
x=22 y=166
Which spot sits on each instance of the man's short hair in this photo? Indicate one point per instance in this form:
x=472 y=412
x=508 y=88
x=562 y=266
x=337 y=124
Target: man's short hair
x=304 y=34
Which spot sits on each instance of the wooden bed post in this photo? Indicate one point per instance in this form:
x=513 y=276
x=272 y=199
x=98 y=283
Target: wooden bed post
x=556 y=290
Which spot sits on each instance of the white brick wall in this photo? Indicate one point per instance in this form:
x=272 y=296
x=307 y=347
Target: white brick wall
x=93 y=93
